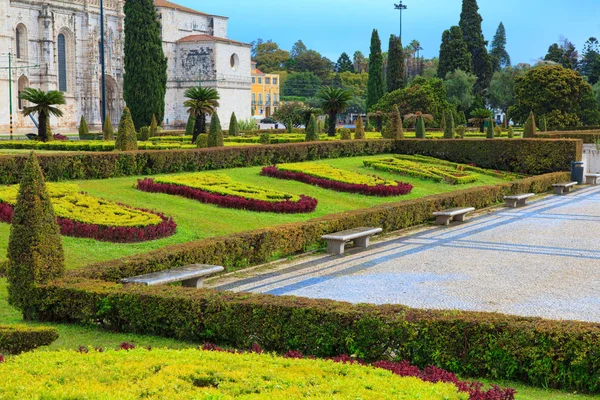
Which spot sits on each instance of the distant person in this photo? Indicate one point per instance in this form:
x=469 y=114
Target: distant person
x=276 y=125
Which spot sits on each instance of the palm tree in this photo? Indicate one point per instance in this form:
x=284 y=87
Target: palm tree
x=202 y=102
x=413 y=118
x=44 y=107
x=378 y=116
x=307 y=112
x=333 y=101
x=479 y=116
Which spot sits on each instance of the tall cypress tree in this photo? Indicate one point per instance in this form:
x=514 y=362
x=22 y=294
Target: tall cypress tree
x=145 y=79
x=395 y=69
x=454 y=53
x=500 y=57
x=470 y=23
x=375 y=90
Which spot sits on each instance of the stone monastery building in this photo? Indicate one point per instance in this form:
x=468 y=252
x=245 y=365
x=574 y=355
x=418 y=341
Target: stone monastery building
x=56 y=46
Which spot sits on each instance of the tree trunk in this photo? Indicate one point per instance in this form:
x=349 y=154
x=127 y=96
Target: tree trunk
x=199 y=126
x=482 y=127
x=379 y=120
x=42 y=125
x=332 y=123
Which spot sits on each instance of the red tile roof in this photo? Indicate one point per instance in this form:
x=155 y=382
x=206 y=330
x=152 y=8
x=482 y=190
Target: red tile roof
x=209 y=38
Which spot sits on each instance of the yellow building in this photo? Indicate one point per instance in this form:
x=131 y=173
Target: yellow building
x=265 y=93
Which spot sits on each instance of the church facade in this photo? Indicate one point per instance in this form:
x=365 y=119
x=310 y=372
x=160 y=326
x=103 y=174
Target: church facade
x=55 y=45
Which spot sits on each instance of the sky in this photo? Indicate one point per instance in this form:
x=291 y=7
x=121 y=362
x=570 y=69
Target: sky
x=335 y=26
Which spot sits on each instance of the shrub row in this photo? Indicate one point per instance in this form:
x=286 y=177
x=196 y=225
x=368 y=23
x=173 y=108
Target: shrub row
x=16 y=339
x=527 y=156
x=381 y=190
x=558 y=354
x=588 y=137
x=304 y=205
x=259 y=246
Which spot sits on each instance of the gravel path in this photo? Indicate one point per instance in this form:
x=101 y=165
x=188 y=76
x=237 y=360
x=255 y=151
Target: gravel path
x=542 y=260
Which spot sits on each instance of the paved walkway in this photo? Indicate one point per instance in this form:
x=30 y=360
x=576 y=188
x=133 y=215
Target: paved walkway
x=542 y=260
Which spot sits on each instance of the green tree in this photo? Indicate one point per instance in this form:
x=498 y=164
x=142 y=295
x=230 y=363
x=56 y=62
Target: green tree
x=459 y=89
x=361 y=64
x=83 y=127
x=313 y=61
x=559 y=94
x=395 y=69
x=189 y=127
x=145 y=79
x=529 y=127
x=301 y=84
x=215 y=132
x=393 y=128
x=43 y=106
x=201 y=102
x=470 y=23
x=420 y=128
x=555 y=53
x=307 y=112
x=543 y=126
x=501 y=94
x=454 y=53
x=298 y=49
x=126 y=136
x=344 y=64
x=153 y=127
x=500 y=57
x=311 y=130
x=289 y=114
x=234 y=128
x=449 y=129
x=108 y=132
x=333 y=102
x=35 y=252
x=269 y=57
x=490 y=128
x=375 y=89
x=590 y=63
x=359 y=132
x=479 y=116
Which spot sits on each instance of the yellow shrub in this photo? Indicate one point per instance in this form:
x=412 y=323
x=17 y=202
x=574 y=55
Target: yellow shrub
x=194 y=374
x=335 y=174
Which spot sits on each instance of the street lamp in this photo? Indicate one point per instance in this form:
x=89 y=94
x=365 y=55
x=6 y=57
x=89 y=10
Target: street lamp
x=102 y=62
x=401 y=7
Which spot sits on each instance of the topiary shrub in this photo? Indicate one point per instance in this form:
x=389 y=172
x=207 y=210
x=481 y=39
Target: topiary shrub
x=153 y=131
x=359 y=132
x=393 y=129
x=529 y=127
x=420 y=129
x=265 y=138
x=460 y=131
x=126 y=136
x=202 y=141
x=345 y=134
x=83 y=128
x=311 y=130
x=16 y=339
x=189 y=127
x=511 y=132
x=449 y=128
x=215 y=132
x=35 y=251
x=144 y=133
x=234 y=128
x=543 y=124
x=107 y=130
x=489 y=133
x=498 y=131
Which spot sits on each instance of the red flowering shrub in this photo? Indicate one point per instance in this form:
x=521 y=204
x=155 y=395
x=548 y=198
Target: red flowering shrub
x=126 y=346
x=304 y=205
x=378 y=190
x=2 y=358
x=60 y=137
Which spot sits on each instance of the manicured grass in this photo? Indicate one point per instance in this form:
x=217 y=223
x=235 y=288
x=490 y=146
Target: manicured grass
x=198 y=221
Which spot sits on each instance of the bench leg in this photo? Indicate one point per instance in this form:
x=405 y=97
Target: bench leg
x=567 y=189
x=460 y=218
x=511 y=203
x=442 y=220
x=558 y=190
x=195 y=283
x=335 y=247
x=362 y=242
x=522 y=202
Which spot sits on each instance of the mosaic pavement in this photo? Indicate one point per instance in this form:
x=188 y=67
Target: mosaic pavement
x=541 y=260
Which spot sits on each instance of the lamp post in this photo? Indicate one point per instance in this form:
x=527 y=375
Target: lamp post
x=10 y=93
x=102 y=62
x=401 y=7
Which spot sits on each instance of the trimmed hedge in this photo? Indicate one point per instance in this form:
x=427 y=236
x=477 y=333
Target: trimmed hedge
x=558 y=354
x=259 y=246
x=527 y=156
x=588 y=137
x=16 y=339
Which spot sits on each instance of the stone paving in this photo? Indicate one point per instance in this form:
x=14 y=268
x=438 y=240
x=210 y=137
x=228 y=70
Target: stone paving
x=541 y=260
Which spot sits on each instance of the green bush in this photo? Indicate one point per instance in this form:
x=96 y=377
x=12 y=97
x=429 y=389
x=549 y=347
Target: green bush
x=189 y=127
x=461 y=130
x=588 y=137
x=311 y=130
x=359 y=132
x=345 y=134
x=126 y=136
x=489 y=133
x=234 y=128
x=265 y=138
x=498 y=131
x=16 y=339
x=83 y=128
x=153 y=127
x=511 y=132
x=215 y=133
x=35 y=251
x=107 y=130
x=202 y=141
x=449 y=128
x=144 y=133
x=420 y=131
x=529 y=127
x=393 y=129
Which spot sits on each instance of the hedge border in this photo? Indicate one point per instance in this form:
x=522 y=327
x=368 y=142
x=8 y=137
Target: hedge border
x=588 y=137
x=16 y=339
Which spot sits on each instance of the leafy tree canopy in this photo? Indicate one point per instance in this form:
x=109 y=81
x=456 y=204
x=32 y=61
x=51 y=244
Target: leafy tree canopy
x=459 y=89
x=454 y=53
x=303 y=84
x=268 y=56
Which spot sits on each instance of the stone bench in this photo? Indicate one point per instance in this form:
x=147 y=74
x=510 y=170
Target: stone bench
x=517 y=200
x=592 y=179
x=452 y=214
x=189 y=276
x=563 y=188
x=336 y=242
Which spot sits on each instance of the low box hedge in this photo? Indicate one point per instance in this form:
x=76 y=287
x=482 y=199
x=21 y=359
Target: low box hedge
x=588 y=137
x=16 y=339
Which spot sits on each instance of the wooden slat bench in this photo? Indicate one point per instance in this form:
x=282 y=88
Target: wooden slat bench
x=592 y=179
x=189 y=276
x=563 y=188
x=452 y=214
x=517 y=200
x=336 y=242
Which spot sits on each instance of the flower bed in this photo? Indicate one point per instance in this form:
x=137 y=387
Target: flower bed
x=84 y=216
x=220 y=190
x=337 y=179
x=436 y=173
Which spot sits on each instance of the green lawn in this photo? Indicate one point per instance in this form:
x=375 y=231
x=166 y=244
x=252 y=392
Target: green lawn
x=198 y=221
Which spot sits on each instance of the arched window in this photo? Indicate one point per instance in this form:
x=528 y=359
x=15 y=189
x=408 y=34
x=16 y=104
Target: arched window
x=21 y=41
x=23 y=84
x=62 y=62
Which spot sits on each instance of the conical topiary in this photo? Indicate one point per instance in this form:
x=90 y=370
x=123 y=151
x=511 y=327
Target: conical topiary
x=543 y=125
x=107 y=130
x=83 y=128
x=393 y=128
x=126 y=137
x=234 y=128
x=189 y=128
x=449 y=129
x=35 y=252
x=215 y=133
x=311 y=130
x=490 y=129
x=153 y=127
x=420 y=130
x=511 y=132
x=359 y=133
x=529 y=127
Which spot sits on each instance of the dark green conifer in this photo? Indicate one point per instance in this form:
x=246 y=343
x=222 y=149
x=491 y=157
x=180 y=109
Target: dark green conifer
x=215 y=132
x=490 y=129
x=529 y=127
x=375 y=89
x=311 y=130
x=153 y=127
x=83 y=128
x=420 y=129
x=234 y=128
x=470 y=23
x=107 y=130
x=454 y=53
x=395 y=66
x=449 y=129
x=126 y=136
x=500 y=57
x=189 y=127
